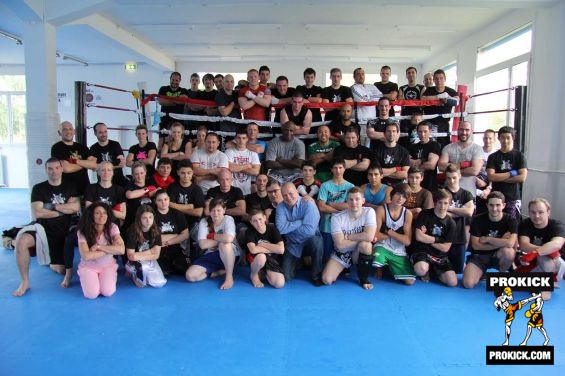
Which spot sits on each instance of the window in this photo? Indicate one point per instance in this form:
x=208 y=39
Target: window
x=451 y=75
x=370 y=78
x=12 y=110
x=501 y=64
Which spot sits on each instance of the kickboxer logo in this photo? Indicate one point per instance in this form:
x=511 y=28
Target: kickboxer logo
x=504 y=285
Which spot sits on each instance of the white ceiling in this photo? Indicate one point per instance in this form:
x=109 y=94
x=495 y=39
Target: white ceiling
x=162 y=33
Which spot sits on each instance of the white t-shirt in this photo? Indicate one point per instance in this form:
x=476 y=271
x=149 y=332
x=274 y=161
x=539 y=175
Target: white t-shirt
x=366 y=93
x=209 y=161
x=343 y=223
x=226 y=227
x=242 y=157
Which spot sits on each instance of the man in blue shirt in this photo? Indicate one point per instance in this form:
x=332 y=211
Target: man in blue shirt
x=297 y=220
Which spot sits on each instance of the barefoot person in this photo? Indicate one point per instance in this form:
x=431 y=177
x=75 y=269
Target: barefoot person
x=265 y=246
x=52 y=204
x=216 y=237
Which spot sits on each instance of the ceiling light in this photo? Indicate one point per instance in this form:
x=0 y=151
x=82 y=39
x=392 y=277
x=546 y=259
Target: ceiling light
x=11 y=36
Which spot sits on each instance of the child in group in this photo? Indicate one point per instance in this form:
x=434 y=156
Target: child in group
x=266 y=247
x=143 y=246
x=308 y=185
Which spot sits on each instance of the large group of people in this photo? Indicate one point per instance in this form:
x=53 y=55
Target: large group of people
x=202 y=206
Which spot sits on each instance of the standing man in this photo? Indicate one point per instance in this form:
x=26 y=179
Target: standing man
x=412 y=91
x=169 y=105
x=493 y=236
x=285 y=155
x=388 y=88
x=428 y=80
x=484 y=186
x=393 y=158
x=281 y=94
x=226 y=99
x=466 y=154
x=425 y=155
x=53 y=202
x=208 y=94
x=108 y=150
x=299 y=114
x=364 y=93
x=255 y=98
x=208 y=163
x=352 y=231
x=73 y=157
x=335 y=93
x=297 y=220
x=506 y=169
x=448 y=97
x=311 y=92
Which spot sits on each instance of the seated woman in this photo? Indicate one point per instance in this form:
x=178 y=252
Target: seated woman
x=174 y=232
x=266 y=247
x=178 y=148
x=144 y=151
x=143 y=246
x=376 y=193
x=200 y=140
x=98 y=241
x=216 y=237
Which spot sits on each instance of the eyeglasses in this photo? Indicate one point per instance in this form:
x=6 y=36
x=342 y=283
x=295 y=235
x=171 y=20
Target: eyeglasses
x=273 y=191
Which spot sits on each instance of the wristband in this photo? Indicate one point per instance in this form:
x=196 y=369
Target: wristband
x=398 y=168
x=150 y=188
x=465 y=164
x=513 y=173
x=210 y=236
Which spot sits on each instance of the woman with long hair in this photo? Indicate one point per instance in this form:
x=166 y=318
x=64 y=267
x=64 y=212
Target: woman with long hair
x=216 y=237
x=139 y=192
x=143 y=246
x=98 y=241
x=177 y=148
x=200 y=140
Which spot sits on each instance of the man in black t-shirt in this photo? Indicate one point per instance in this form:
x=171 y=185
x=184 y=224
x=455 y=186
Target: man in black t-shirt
x=185 y=196
x=425 y=155
x=226 y=99
x=357 y=158
x=433 y=235
x=169 y=105
x=335 y=93
x=376 y=127
x=311 y=92
x=542 y=239
x=53 y=202
x=393 y=158
x=232 y=196
x=388 y=88
x=108 y=150
x=74 y=158
x=506 y=169
x=493 y=237
x=449 y=98
x=281 y=94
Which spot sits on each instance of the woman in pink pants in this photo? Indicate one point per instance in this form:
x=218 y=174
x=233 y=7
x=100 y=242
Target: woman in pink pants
x=98 y=241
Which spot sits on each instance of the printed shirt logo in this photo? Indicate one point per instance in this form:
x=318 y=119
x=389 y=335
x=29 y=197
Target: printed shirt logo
x=506 y=165
x=141 y=155
x=167 y=227
x=58 y=199
x=183 y=198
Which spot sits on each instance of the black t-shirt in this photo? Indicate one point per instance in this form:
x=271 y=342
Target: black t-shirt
x=275 y=93
x=388 y=88
x=379 y=125
x=253 y=201
x=147 y=244
x=298 y=119
x=540 y=236
x=337 y=127
x=388 y=157
x=132 y=204
x=141 y=153
x=63 y=152
x=187 y=195
x=230 y=197
x=224 y=99
x=58 y=227
x=307 y=93
x=359 y=153
x=334 y=96
x=422 y=151
x=111 y=196
x=458 y=200
x=177 y=108
x=505 y=162
x=411 y=93
x=171 y=223
x=271 y=235
x=441 y=228
x=483 y=226
x=109 y=153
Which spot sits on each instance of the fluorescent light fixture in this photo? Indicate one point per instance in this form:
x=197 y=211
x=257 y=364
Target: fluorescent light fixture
x=72 y=58
x=11 y=36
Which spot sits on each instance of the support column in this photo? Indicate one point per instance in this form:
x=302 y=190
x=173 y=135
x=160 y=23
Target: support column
x=545 y=133
x=42 y=117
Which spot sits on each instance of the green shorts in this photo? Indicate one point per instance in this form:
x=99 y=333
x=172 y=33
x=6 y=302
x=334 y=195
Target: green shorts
x=399 y=266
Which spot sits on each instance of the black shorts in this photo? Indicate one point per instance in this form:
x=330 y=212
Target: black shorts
x=272 y=264
x=56 y=247
x=484 y=261
x=438 y=265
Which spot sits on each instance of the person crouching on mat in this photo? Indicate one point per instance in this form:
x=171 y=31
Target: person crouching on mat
x=143 y=246
x=98 y=241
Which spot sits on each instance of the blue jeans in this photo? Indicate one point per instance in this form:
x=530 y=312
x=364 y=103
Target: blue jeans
x=313 y=247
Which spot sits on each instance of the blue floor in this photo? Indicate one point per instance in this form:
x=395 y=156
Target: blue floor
x=196 y=329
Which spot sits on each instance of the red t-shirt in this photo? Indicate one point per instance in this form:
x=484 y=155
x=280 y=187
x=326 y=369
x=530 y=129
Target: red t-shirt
x=256 y=112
